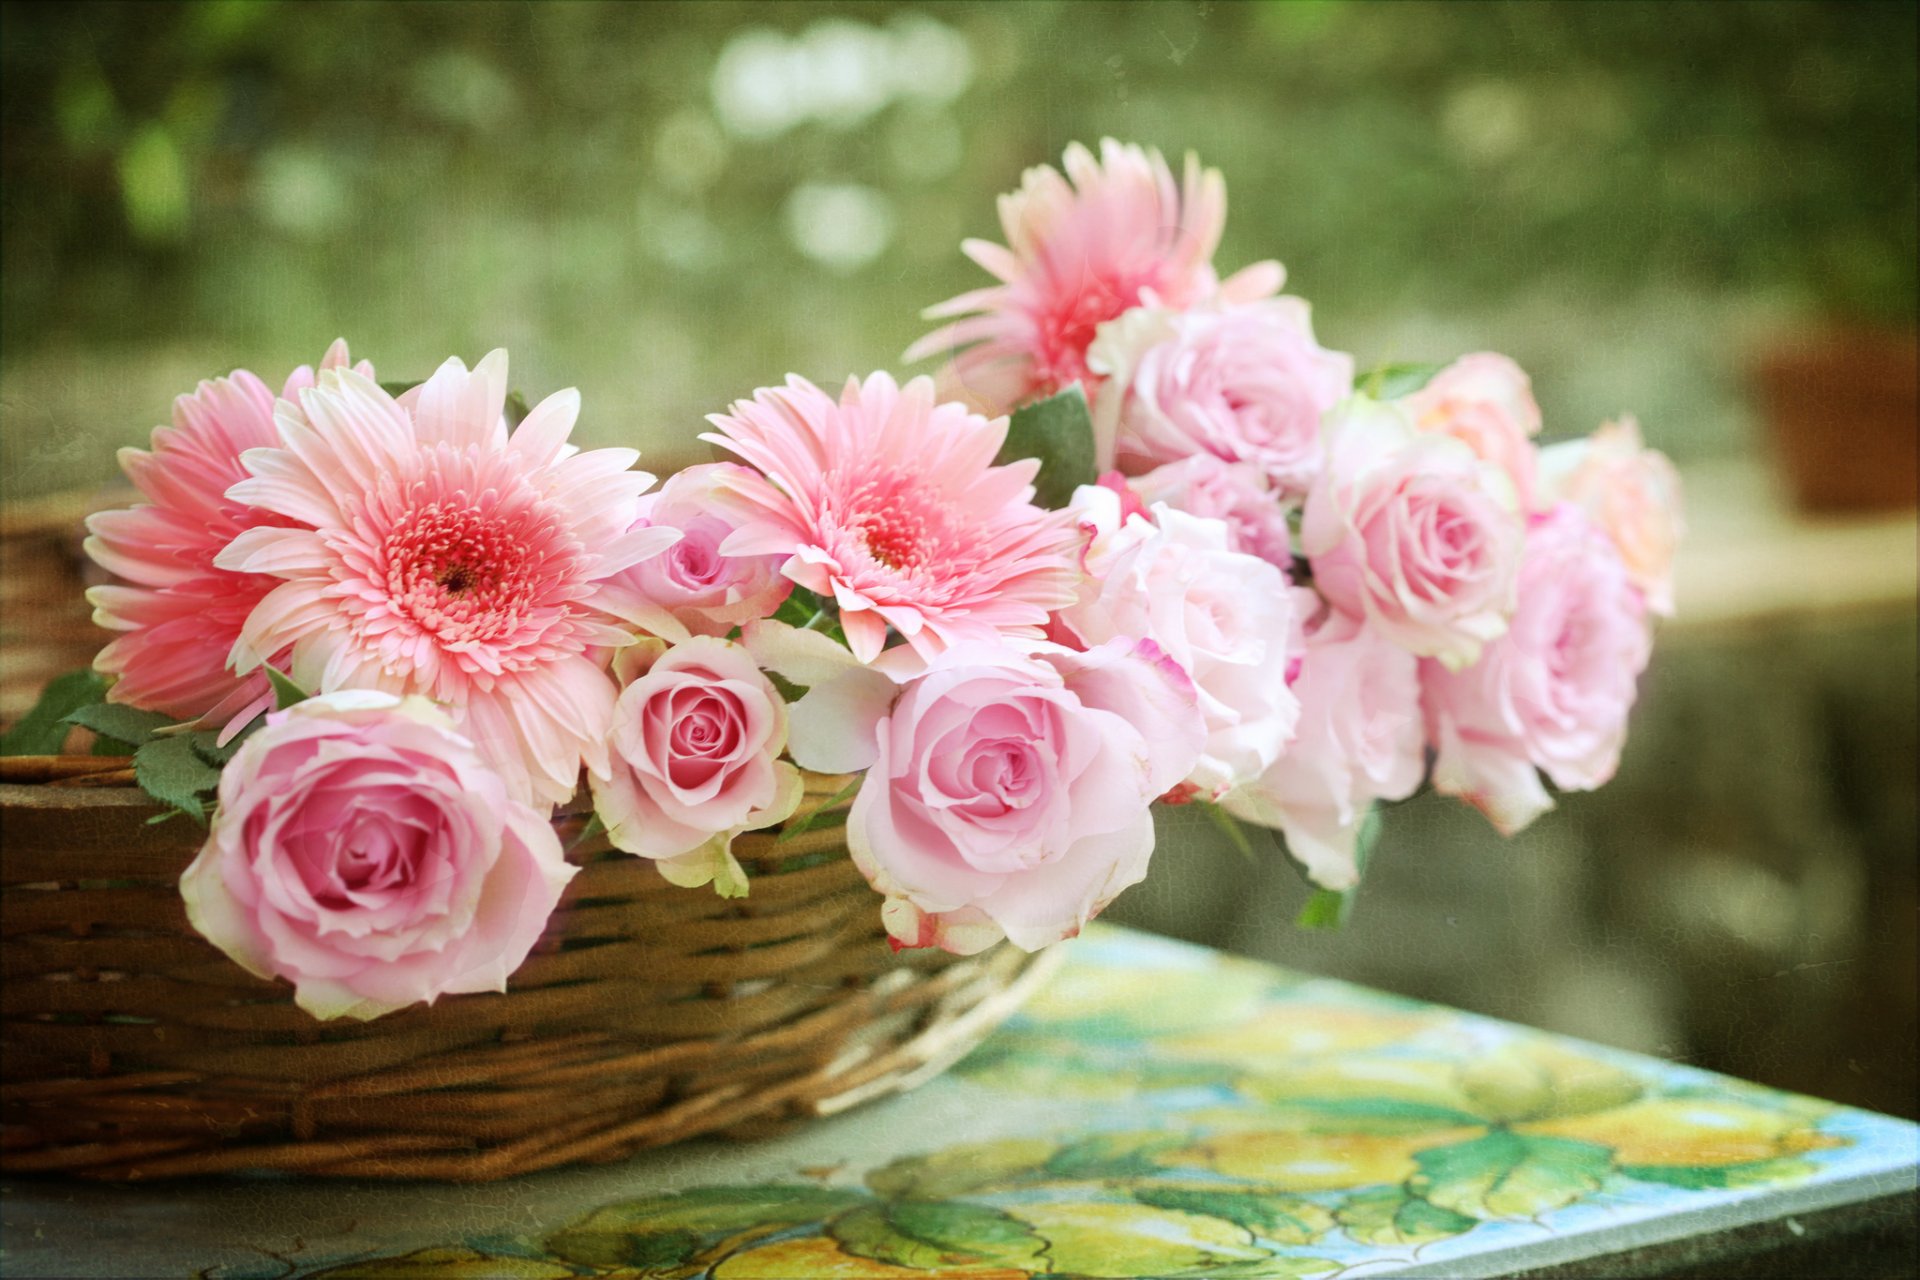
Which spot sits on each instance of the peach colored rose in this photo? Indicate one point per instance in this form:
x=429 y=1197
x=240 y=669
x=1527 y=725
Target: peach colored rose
x=1010 y=794
x=1414 y=533
x=364 y=851
x=1633 y=493
x=1554 y=692
x=1485 y=401
x=695 y=760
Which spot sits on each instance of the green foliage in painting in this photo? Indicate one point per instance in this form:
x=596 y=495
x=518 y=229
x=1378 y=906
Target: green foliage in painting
x=1272 y=1216
x=1094 y=1238
x=1507 y=1175
x=958 y=1170
x=931 y=1234
x=671 y=1229
x=1390 y=1218
x=1758 y=1173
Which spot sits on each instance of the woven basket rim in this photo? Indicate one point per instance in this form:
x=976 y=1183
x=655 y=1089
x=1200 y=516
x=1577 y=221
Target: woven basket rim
x=648 y=1014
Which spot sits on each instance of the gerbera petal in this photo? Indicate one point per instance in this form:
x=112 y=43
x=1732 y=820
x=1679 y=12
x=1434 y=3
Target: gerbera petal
x=540 y=439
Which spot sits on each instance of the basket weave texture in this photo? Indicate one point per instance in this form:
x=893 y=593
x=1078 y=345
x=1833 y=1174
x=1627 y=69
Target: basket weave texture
x=647 y=1013
x=46 y=624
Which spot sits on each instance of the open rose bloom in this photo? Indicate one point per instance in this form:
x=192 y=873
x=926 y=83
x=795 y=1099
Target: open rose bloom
x=1216 y=566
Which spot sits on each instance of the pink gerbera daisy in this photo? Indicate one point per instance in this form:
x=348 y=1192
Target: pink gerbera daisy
x=439 y=555
x=178 y=613
x=1114 y=233
x=890 y=504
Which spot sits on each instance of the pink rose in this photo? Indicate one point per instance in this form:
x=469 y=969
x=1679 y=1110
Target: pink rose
x=1225 y=617
x=691 y=588
x=1552 y=693
x=694 y=760
x=1235 y=492
x=1010 y=794
x=363 y=851
x=1486 y=402
x=1242 y=383
x=1361 y=739
x=1630 y=491
x=1413 y=533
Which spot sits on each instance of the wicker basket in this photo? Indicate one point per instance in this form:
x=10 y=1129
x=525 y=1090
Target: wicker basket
x=46 y=624
x=647 y=1014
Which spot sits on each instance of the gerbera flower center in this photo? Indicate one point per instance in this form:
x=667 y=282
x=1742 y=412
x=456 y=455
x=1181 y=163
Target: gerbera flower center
x=456 y=578
x=1069 y=327
x=467 y=573
x=897 y=539
x=898 y=522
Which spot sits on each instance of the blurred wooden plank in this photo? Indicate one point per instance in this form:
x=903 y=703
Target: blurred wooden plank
x=1749 y=558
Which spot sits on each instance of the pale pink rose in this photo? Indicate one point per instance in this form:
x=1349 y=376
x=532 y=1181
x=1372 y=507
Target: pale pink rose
x=364 y=851
x=693 y=588
x=1114 y=233
x=1414 y=533
x=1243 y=384
x=1552 y=693
x=1633 y=493
x=694 y=760
x=1361 y=739
x=892 y=506
x=1234 y=492
x=1010 y=795
x=1485 y=401
x=443 y=556
x=178 y=613
x=1227 y=618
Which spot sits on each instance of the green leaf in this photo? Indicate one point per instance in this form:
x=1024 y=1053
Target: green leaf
x=43 y=730
x=1332 y=908
x=398 y=389
x=788 y=690
x=958 y=1170
x=810 y=612
x=207 y=745
x=1231 y=827
x=1281 y=1218
x=123 y=723
x=169 y=770
x=1059 y=432
x=1389 y=1217
x=1391 y=381
x=666 y=1230
x=931 y=1234
x=797 y=609
x=593 y=827
x=517 y=408
x=827 y=814
x=285 y=691
x=1506 y=1175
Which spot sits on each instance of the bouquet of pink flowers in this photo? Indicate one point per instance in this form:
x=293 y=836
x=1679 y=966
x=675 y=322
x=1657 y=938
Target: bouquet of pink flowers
x=1142 y=540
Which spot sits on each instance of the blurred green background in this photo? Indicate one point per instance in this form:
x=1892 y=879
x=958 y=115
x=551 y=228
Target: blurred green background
x=671 y=204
